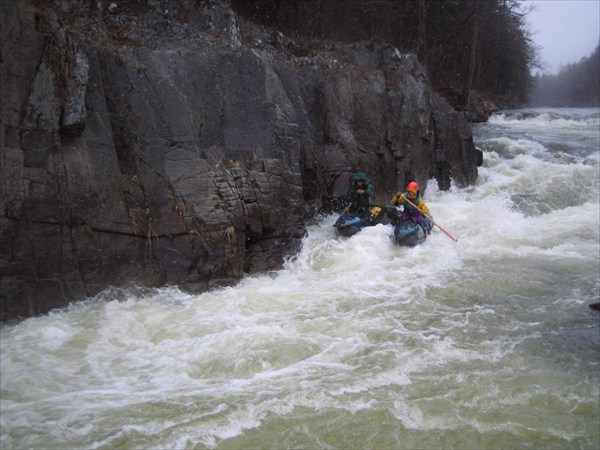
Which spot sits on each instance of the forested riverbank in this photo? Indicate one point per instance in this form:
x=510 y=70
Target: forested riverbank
x=576 y=85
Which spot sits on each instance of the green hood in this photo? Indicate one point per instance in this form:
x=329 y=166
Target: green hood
x=360 y=176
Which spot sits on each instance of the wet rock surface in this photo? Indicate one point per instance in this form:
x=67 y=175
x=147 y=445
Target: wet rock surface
x=172 y=142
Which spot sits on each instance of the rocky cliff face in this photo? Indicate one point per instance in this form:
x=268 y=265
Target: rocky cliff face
x=170 y=142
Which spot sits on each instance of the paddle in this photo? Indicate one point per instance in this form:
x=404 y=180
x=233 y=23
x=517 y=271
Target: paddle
x=432 y=221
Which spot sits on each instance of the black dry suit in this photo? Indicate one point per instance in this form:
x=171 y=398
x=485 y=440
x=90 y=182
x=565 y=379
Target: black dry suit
x=359 y=194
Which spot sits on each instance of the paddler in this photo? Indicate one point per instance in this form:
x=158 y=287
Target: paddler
x=415 y=207
x=359 y=194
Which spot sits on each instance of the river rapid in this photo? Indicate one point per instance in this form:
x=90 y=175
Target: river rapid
x=487 y=342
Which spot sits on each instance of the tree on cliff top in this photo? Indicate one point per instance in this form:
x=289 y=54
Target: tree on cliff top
x=466 y=45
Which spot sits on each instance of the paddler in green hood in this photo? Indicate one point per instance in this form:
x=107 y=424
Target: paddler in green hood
x=359 y=194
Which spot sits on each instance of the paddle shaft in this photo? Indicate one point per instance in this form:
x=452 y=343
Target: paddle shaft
x=429 y=217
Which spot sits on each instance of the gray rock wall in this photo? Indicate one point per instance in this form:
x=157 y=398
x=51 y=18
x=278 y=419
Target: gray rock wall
x=171 y=142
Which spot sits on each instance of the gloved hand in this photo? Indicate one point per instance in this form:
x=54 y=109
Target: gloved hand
x=360 y=192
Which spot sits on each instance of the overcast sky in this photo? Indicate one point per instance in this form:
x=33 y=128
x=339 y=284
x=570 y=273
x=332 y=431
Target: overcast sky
x=566 y=30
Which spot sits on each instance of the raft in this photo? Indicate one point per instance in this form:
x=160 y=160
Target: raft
x=406 y=233
x=349 y=224
x=409 y=233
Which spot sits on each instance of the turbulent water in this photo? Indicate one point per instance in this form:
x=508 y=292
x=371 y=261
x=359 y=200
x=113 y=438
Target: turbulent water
x=487 y=342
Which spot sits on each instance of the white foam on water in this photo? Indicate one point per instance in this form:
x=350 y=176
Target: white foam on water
x=464 y=342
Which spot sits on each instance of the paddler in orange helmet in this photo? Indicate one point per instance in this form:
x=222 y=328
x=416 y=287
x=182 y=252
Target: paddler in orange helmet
x=414 y=195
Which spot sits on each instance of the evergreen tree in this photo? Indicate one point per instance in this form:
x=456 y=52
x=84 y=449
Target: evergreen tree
x=575 y=85
x=467 y=45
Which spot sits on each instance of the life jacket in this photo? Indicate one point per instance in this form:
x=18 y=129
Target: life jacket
x=410 y=208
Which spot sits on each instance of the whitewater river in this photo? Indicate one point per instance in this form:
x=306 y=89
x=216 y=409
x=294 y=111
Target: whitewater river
x=487 y=342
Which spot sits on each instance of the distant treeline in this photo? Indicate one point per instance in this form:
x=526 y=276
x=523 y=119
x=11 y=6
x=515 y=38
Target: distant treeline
x=467 y=46
x=575 y=85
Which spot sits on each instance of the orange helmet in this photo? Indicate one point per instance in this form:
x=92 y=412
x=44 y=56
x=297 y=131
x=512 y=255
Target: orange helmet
x=412 y=186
